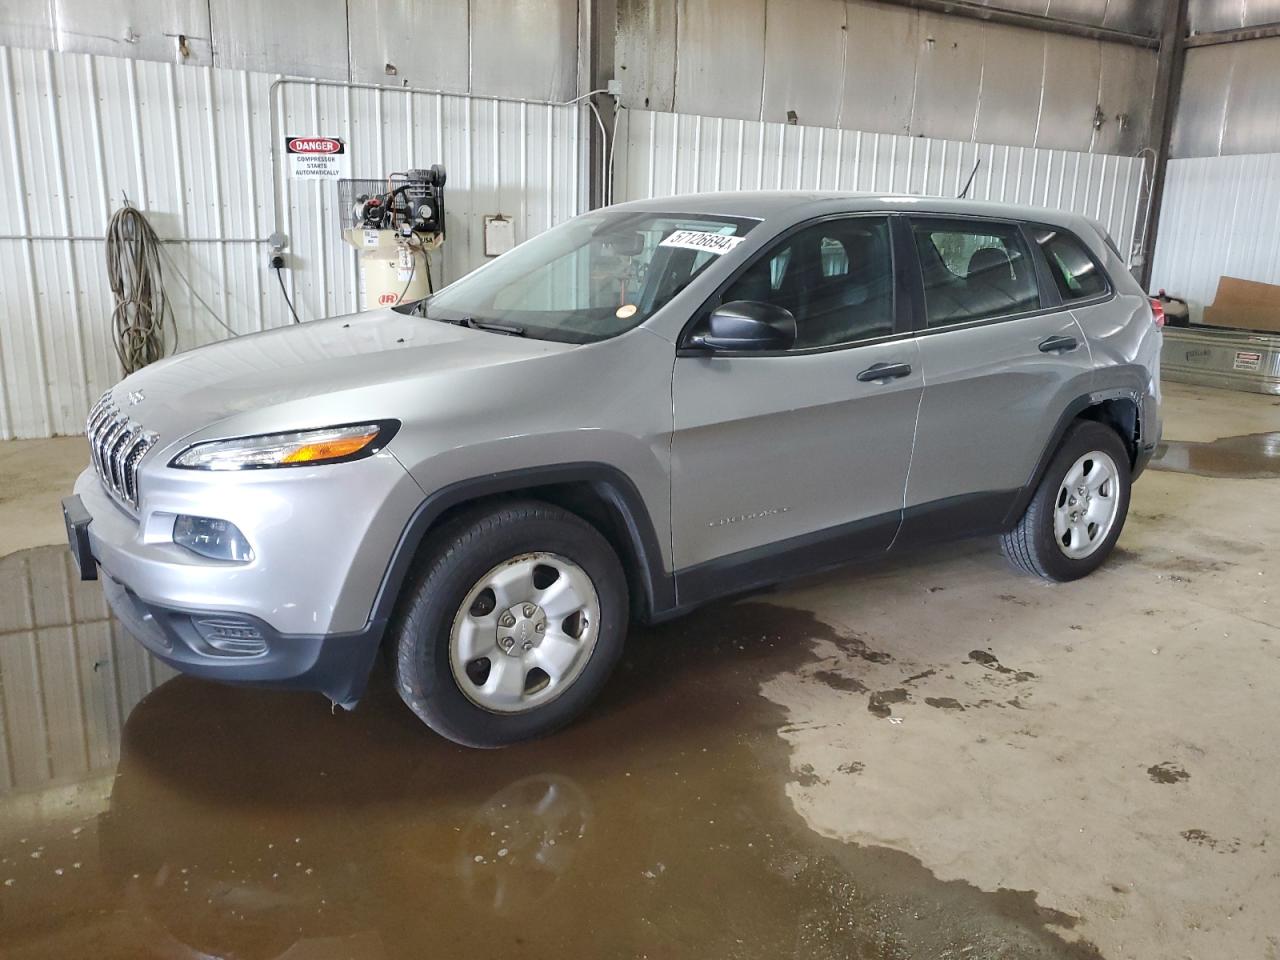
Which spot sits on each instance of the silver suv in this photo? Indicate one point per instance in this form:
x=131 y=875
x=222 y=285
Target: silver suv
x=650 y=406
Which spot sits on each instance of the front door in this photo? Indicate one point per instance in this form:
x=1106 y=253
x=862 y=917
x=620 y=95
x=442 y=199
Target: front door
x=793 y=460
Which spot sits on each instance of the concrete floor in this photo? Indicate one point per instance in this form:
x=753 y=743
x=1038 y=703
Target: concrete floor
x=933 y=758
x=34 y=477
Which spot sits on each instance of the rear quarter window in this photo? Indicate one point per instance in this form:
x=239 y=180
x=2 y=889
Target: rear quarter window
x=1076 y=274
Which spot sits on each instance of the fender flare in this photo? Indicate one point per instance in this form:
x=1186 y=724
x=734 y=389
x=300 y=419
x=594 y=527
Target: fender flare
x=612 y=485
x=1068 y=416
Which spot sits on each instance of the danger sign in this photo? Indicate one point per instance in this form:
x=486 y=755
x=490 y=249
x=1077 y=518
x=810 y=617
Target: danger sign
x=317 y=158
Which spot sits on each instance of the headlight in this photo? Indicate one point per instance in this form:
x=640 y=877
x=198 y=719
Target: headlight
x=300 y=449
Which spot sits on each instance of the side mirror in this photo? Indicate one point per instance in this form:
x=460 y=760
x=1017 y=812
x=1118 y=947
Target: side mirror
x=748 y=325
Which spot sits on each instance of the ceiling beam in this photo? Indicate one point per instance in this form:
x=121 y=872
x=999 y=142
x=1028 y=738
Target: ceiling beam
x=1259 y=32
x=1013 y=18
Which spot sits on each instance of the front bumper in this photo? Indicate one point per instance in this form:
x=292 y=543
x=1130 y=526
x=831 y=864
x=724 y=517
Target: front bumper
x=335 y=665
x=300 y=614
x=231 y=647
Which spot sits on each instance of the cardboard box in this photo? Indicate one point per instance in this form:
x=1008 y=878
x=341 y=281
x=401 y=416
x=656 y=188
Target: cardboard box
x=1245 y=305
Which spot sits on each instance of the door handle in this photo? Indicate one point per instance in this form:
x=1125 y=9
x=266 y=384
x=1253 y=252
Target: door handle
x=1059 y=345
x=879 y=372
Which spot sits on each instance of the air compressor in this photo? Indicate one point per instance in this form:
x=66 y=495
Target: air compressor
x=395 y=225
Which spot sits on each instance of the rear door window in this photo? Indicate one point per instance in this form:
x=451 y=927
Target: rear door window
x=1076 y=274
x=974 y=270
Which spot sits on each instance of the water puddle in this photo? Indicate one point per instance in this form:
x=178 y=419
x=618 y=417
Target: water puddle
x=1252 y=456
x=145 y=815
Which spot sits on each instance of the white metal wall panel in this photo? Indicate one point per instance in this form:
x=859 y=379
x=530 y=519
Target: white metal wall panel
x=890 y=68
x=27 y=24
x=645 y=52
x=134 y=28
x=1202 y=103
x=193 y=148
x=1228 y=100
x=1218 y=219
x=389 y=40
x=1131 y=16
x=69 y=674
x=1009 y=110
x=300 y=39
x=1126 y=91
x=1071 y=66
x=524 y=49
x=719 y=56
x=1252 y=122
x=879 y=92
x=662 y=154
x=810 y=85
x=949 y=76
x=1206 y=16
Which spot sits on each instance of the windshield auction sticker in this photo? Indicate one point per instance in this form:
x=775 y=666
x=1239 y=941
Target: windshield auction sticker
x=716 y=243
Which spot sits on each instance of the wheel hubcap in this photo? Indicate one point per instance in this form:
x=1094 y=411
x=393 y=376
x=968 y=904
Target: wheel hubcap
x=1087 y=504
x=524 y=632
x=521 y=628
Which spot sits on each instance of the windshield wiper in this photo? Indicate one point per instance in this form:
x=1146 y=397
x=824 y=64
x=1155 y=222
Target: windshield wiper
x=493 y=326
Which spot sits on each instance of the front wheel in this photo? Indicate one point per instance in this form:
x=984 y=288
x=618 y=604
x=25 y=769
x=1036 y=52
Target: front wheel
x=513 y=626
x=1076 y=515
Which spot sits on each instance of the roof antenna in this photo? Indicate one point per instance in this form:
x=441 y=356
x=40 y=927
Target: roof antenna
x=968 y=183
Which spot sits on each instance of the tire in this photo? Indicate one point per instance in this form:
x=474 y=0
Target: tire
x=523 y=553
x=1039 y=546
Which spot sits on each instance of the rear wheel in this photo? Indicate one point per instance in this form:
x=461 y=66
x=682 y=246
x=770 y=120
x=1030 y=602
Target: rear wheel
x=1076 y=515
x=513 y=626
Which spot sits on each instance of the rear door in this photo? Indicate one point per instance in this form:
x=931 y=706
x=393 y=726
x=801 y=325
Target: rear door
x=788 y=460
x=1002 y=358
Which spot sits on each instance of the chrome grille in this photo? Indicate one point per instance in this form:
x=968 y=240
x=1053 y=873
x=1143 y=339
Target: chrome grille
x=116 y=448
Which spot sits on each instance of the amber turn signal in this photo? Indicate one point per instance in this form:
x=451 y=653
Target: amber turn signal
x=330 y=449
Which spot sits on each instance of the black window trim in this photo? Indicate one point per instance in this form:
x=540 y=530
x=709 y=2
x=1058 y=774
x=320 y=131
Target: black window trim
x=902 y=295
x=1048 y=288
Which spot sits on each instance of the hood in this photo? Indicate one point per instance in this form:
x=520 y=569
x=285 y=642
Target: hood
x=197 y=389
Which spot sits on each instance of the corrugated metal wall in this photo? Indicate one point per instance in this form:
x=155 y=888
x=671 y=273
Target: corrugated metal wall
x=1205 y=16
x=514 y=48
x=69 y=674
x=193 y=148
x=1219 y=217
x=885 y=68
x=1131 y=16
x=1222 y=198
x=660 y=154
x=1229 y=98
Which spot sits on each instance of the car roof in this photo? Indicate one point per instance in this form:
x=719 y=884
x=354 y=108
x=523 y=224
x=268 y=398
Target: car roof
x=797 y=205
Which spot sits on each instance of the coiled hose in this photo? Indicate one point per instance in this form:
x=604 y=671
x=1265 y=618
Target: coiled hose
x=136 y=279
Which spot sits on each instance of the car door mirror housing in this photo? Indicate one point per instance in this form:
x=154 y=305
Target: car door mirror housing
x=748 y=325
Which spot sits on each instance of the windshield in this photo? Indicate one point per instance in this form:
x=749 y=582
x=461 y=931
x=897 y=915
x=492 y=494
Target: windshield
x=591 y=278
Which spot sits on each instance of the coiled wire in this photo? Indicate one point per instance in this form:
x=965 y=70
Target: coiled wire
x=136 y=278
